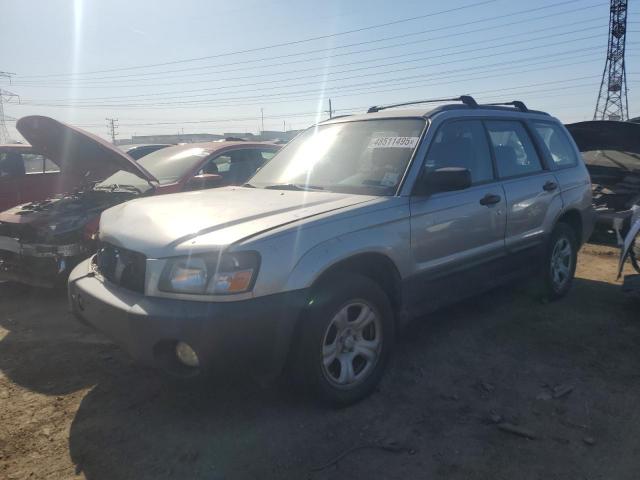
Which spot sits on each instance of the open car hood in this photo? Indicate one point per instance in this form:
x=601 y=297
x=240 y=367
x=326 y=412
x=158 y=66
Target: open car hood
x=608 y=143
x=77 y=151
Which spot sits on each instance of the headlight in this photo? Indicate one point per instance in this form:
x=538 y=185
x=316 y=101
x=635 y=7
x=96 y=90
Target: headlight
x=210 y=274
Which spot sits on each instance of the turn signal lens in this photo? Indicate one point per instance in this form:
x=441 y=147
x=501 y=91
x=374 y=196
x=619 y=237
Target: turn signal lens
x=233 y=282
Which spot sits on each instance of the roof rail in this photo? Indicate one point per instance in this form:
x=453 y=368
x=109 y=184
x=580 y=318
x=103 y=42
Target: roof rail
x=466 y=99
x=515 y=103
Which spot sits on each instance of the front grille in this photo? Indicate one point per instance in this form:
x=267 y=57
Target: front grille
x=122 y=266
x=13 y=230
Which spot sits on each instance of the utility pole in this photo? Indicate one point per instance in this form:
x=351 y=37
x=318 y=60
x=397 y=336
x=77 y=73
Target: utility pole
x=330 y=111
x=112 y=125
x=262 y=117
x=612 y=101
x=284 y=125
x=5 y=97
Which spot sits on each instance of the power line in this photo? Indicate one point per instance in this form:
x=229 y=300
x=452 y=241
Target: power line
x=283 y=44
x=289 y=93
x=377 y=65
x=363 y=108
x=252 y=62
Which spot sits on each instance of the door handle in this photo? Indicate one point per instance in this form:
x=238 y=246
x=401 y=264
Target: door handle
x=490 y=199
x=550 y=186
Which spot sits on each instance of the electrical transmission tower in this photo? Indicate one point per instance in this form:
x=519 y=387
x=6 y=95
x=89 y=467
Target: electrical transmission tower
x=5 y=97
x=612 y=99
x=112 y=125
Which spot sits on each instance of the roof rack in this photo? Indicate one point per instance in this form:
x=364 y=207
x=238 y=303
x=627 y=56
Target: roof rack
x=466 y=99
x=516 y=103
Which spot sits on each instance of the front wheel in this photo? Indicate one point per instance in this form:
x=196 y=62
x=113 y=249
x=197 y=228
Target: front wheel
x=560 y=262
x=345 y=340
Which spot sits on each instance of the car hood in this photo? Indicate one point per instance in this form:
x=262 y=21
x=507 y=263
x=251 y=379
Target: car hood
x=608 y=143
x=197 y=221
x=77 y=151
x=43 y=221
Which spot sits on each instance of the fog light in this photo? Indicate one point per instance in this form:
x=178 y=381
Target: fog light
x=187 y=355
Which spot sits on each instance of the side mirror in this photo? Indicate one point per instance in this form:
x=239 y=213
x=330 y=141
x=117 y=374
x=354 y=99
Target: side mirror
x=203 y=181
x=443 y=180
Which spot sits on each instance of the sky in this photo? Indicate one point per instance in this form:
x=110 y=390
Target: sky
x=212 y=66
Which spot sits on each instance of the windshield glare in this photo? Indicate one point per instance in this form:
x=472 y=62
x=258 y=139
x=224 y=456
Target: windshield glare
x=366 y=157
x=168 y=165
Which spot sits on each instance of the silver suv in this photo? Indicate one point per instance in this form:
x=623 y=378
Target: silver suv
x=353 y=228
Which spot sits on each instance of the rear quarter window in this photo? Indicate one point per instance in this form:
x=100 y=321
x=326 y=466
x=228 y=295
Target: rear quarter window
x=558 y=145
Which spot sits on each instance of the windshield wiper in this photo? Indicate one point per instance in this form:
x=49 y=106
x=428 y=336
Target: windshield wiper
x=293 y=186
x=117 y=186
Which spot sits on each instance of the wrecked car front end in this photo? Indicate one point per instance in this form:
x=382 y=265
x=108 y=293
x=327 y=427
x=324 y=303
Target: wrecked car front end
x=40 y=242
x=611 y=152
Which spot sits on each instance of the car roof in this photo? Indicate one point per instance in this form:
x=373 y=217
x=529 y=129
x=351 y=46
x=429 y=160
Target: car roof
x=431 y=112
x=211 y=147
x=133 y=146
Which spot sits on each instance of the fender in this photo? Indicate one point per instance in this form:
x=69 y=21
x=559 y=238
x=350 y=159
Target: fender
x=391 y=240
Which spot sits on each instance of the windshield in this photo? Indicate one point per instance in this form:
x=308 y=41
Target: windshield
x=167 y=165
x=366 y=157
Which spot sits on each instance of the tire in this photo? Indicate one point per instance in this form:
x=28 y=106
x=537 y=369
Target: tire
x=344 y=340
x=560 y=259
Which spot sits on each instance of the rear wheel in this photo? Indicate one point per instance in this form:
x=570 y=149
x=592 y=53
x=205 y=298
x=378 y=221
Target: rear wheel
x=560 y=262
x=345 y=340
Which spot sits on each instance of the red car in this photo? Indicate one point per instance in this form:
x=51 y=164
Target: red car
x=41 y=241
x=26 y=175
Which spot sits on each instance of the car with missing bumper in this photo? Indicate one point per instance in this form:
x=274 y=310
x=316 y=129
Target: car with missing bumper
x=356 y=226
x=41 y=241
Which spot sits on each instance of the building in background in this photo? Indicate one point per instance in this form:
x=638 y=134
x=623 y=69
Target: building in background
x=267 y=136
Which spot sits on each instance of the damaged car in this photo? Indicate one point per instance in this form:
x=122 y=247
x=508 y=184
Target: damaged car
x=41 y=241
x=611 y=151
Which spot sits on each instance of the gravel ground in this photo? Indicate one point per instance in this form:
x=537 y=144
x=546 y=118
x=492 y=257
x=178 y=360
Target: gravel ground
x=565 y=374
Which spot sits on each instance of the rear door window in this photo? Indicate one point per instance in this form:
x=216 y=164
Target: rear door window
x=462 y=144
x=555 y=139
x=514 y=151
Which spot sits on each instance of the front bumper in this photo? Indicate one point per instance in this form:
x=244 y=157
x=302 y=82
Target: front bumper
x=254 y=333
x=35 y=268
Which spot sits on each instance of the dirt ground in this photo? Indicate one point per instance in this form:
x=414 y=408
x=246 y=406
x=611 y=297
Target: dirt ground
x=72 y=405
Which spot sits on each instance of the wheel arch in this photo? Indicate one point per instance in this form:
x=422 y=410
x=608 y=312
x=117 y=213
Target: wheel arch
x=373 y=265
x=573 y=218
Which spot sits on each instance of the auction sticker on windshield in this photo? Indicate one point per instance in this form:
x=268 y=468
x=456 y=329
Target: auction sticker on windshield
x=393 y=142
